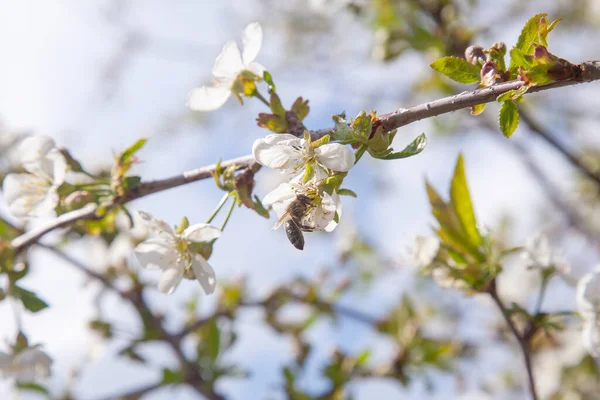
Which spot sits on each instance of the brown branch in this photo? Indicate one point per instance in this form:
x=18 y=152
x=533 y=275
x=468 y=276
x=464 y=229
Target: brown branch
x=589 y=71
x=536 y=128
x=190 y=371
x=523 y=342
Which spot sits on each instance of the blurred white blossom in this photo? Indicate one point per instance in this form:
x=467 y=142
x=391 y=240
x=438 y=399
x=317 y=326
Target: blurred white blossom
x=230 y=66
x=423 y=250
x=590 y=335
x=170 y=252
x=289 y=153
x=538 y=254
x=588 y=294
x=34 y=193
x=26 y=366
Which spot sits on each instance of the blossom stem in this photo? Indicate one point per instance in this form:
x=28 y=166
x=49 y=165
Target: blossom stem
x=259 y=96
x=359 y=153
x=218 y=208
x=540 y=298
x=229 y=212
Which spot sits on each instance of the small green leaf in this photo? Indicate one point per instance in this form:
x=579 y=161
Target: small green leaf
x=528 y=38
x=269 y=79
x=414 y=148
x=32 y=386
x=276 y=105
x=170 y=376
x=274 y=123
x=308 y=173
x=508 y=118
x=457 y=69
x=130 y=151
x=301 y=108
x=131 y=182
x=317 y=143
x=30 y=300
x=346 y=192
x=461 y=202
x=212 y=340
x=477 y=109
x=342 y=130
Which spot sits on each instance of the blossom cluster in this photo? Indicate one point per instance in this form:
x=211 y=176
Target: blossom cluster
x=310 y=167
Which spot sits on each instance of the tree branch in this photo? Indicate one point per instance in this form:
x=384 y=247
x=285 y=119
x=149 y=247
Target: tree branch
x=523 y=342
x=589 y=71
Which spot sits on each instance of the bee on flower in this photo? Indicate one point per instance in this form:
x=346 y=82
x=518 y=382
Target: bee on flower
x=304 y=208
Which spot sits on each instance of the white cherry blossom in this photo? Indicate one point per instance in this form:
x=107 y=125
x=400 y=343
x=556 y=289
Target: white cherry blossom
x=319 y=213
x=423 y=250
x=590 y=335
x=289 y=153
x=538 y=254
x=588 y=294
x=26 y=366
x=34 y=193
x=229 y=66
x=170 y=252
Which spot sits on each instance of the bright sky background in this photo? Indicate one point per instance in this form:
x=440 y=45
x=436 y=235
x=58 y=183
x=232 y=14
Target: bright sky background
x=65 y=73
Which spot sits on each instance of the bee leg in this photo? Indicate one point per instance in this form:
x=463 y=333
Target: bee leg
x=306 y=228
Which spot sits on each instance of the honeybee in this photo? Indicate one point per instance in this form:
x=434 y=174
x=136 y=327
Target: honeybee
x=293 y=221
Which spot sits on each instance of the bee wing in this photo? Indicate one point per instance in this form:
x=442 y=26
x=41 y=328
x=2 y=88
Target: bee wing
x=281 y=220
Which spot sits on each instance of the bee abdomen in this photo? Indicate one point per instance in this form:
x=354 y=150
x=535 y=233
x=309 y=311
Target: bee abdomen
x=294 y=234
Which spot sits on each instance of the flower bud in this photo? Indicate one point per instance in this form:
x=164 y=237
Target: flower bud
x=475 y=55
x=499 y=47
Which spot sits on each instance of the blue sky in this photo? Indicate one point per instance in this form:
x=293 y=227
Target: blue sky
x=65 y=78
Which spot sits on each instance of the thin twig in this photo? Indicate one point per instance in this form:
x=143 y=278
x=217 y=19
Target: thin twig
x=556 y=145
x=523 y=343
x=589 y=71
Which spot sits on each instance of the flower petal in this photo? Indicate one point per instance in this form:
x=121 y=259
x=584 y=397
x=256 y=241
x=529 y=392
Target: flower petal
x=335 y=156
x=590 y=335
x=59 y=166
x=156 y=253
x=33 y=152
x=201 y=233
x=28 y=195
x=229 y=63
x=332 y=225
x=588 y=295
x=256 y=68
x=279 y=151
x=204 y=273
x=252 y=41
x=154 y=224
x=208 y=98
x=170 y=278
x=321 y=216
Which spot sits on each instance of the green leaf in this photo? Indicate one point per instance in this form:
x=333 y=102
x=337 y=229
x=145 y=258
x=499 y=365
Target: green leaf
x=212 y=340
x=30 y=300
x=170 y=376
x=131 y=181
x=342 y=130
x=477 y=109
x=457 y=69
x=461 y=202
x=528 y=38
x=414 y=148
x=130 y=151
x=274 y=123
x=32 y=386
x=276 y=105
x=301 y=108
x=269 y=79
x=508 y=118
x=346 y=192
x=519 y=59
